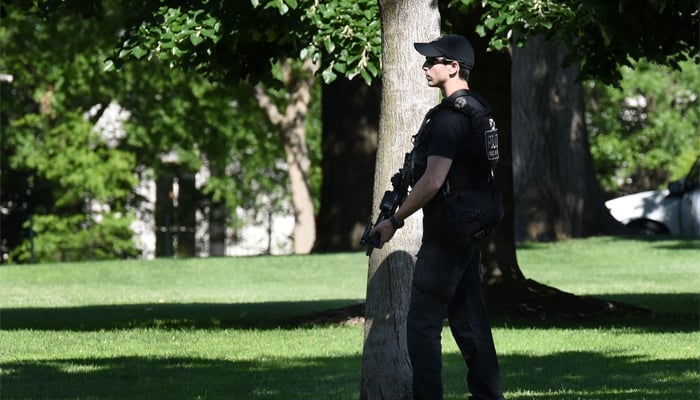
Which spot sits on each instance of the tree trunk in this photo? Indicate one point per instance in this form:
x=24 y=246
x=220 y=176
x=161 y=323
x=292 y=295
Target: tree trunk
x=218 y=215
x=386 y=370
x=186 y=213
x=556 y=191
x=292 y=129
x=165 y=213
x=350 y=122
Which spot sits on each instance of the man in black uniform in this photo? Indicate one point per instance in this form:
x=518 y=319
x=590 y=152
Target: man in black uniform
x=447 y=277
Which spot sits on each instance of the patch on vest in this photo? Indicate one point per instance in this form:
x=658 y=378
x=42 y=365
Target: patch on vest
x=491 y=138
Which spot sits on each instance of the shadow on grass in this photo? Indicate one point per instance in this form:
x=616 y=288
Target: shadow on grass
x=181 y=378
x=672 y=304
x=672 y=312
x=566 y=375
x=669 y=242
x=269 y=315
x=273 y=315
x=586 y=376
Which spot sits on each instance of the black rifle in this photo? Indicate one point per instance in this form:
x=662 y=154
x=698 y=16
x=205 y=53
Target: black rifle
x=391 y=201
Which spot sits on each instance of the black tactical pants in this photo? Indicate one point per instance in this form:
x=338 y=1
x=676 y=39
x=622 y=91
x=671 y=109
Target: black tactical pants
x=450 y=286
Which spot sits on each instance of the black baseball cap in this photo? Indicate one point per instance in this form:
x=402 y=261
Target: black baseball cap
x=454 y=47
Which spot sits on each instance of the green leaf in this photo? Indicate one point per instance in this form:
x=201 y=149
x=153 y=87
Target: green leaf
x=372 y=68
x=108 y=66
x=196 y=39
x=138 y=52
x=340 y=67
x=490 y=22
x=328 y=75
x=366 y=76
x=329 y=44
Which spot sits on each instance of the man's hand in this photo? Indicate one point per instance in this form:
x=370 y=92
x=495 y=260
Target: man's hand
x=386 y=231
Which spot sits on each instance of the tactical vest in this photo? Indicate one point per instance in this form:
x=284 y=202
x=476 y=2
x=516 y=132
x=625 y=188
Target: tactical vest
x=483 y=136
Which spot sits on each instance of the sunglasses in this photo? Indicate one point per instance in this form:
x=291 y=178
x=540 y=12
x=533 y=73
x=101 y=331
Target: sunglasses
x=430 y=61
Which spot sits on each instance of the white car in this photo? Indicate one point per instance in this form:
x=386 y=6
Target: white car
x=675 y=210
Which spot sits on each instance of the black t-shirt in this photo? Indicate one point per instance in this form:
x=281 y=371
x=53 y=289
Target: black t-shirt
x=450 y=137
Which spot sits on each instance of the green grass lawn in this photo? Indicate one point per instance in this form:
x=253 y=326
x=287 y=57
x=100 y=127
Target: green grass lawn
x=217 y=328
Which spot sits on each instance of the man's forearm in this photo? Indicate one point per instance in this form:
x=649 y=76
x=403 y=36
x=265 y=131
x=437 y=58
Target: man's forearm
x=419 y=196
x=426 y=188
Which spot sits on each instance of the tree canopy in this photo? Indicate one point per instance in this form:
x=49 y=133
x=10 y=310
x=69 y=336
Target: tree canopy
x=600 y=34
x=225 y=38
x=645 y=131
x=57 y=161
x=238 y=40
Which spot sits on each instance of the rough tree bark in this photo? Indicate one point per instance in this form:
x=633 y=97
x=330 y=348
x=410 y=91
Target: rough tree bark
x=291 y=127
x=556 y=192
x=386 y=370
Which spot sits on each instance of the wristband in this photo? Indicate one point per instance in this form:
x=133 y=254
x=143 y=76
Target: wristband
x=395 y=222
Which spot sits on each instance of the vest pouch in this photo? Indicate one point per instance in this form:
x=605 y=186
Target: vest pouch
x=470 y=215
